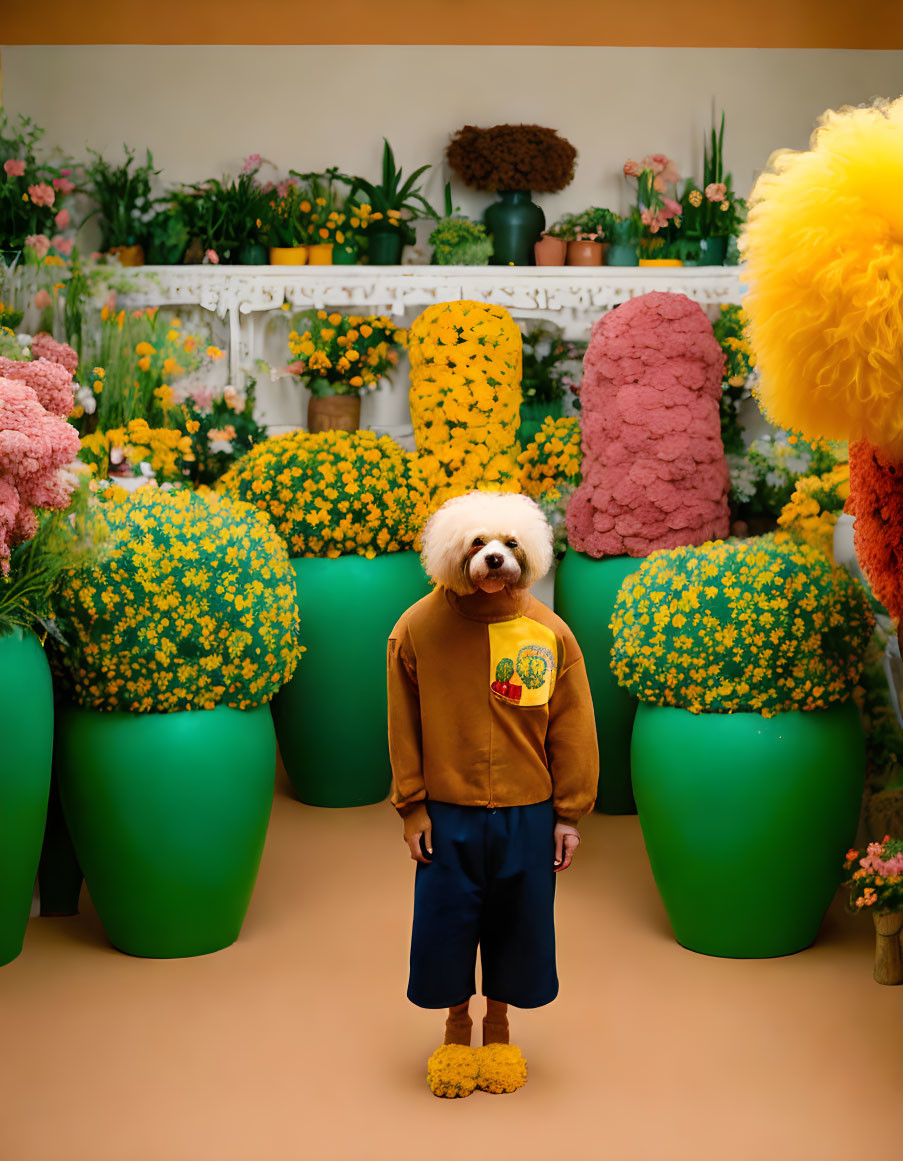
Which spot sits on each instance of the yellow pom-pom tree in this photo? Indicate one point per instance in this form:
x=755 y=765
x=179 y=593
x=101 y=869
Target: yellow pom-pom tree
x=465 y=397
x=824 y=254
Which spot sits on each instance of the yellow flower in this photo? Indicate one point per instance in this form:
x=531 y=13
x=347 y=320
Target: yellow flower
x=144 y=363
x=214 y=352
x=145 y=348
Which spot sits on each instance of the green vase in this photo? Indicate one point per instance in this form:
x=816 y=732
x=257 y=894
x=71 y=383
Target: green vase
x=585 y=592
x=746 y=820
x=26 y=736
x=622 y=254
x=331 y=717
x=384 y=246
x=168 y=815
x=516 y=224
x=712 y=251
x=344 y=255
x=534 y=414
x=253 y=254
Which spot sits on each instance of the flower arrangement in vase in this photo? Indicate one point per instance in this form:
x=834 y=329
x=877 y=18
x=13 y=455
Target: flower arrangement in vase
x=124 y=203
x=326 y=215
x=513 y=161
x=877 y=886
x=385 y=218
x=661 y=242
x=711 y=211
x=228 y=215
x=32 y=194
x=339 y=356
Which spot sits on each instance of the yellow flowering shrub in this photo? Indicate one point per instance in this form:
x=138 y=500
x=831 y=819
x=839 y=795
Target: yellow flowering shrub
x=163 y=449
x=465 y=397
x=333 y=493
x=551 y=462
x=754 y=625
x=192 y=605
x=813 y=509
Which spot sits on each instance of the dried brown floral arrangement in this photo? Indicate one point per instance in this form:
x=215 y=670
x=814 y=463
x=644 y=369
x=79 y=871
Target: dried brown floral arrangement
x=512 y=157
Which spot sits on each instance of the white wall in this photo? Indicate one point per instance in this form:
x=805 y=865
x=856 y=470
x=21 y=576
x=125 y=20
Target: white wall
x=202 y=109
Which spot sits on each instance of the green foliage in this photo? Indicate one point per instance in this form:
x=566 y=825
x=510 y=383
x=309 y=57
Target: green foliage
x=460 y=242
x=392 y=196
x=763 y=478
x=123 y=197
x=226 y=215
x=761 y=625
x=730 y=331
x=550 y=361
x=596 y=222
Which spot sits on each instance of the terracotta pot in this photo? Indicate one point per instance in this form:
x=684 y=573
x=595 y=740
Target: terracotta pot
x=660 y=262
x=320 y=254
x=129 y=255
x=583 y=252
x=888 y=958
x=334 y=413
x=549 y=251
x=288 y=255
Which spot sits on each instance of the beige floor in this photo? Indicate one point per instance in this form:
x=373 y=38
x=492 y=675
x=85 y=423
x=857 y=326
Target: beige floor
x=298 y=1043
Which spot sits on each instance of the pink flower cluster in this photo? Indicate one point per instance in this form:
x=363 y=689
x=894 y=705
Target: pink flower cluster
x=42 y=194
x=34 y=446
x=654 y=472
x=662 y=167
x=14 y=168
x=44 y=346
x=51 y=382
x=875 y=865
x=656 y=219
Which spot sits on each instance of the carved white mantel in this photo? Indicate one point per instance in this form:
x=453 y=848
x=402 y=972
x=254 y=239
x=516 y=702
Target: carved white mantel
x=573 y=297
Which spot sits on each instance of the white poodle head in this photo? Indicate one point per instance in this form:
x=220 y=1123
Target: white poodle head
x=489 y=541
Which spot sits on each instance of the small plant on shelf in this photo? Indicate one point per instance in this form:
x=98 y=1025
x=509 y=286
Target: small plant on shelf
x=125 y=204
x=457 y=241
x=391 y=205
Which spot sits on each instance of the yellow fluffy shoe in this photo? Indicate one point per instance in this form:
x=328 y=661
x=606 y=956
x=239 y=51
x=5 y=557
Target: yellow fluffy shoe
x=502 y=1067
x=452 y=1071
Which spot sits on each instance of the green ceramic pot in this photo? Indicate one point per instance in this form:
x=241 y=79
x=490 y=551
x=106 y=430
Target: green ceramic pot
x=746 y=820
x=331 y=717
x=516 y=224
x=168 y=815
x=712 y=251
x=621 y=254
x=253 y=254
x=384 y=247
x=26 y=735
x=533 y=415
x=344 y=255
x=585 y=592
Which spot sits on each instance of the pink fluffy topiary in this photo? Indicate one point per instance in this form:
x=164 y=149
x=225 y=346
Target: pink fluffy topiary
x=44 y=346
x=51 y=382
x=34 y=446
x=654 y=472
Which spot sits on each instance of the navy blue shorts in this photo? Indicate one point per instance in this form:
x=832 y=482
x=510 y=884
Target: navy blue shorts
x=490 y=884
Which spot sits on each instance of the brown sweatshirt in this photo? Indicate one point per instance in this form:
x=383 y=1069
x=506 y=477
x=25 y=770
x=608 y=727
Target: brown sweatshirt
x=489 y=705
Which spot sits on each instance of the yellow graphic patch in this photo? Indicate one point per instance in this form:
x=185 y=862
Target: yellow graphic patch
x=523 y=658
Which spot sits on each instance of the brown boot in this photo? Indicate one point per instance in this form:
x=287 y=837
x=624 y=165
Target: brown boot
x=495 y=1023
x=458 y=1025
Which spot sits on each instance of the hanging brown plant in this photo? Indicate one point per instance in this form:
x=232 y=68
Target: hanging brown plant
x=512 y=157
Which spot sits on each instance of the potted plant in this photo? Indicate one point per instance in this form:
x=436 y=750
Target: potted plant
x=877 y=886
x=652 y=478
x=175 y=640
x=457 y=241
x=338 y=356
x=390 y=207
x=229 y=215
x=723 y=213
x=329 y=232
x=33 y=557
x=124 y=203
x=286 y=221
x=513 y=161
x=349 y=509
x=548 y=365
x=661 y=242
x=743 y=655
x=32 y=199
x=624 y=235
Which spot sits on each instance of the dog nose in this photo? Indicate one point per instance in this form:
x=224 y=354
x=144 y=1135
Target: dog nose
x=494 y=561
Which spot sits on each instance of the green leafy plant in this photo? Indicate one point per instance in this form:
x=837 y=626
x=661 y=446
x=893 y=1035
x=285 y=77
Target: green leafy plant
x=123 y=196
x=229 y=214
x=31 y=195
x=550 y=363
x=460 y=242
x=389 y=201
x=723 y=213
x=763 y=625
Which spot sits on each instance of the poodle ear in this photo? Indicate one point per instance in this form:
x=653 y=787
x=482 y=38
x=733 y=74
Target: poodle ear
x=536 y=539
x=443 y=546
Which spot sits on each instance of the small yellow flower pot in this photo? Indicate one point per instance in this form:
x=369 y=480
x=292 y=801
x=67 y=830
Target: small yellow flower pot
x=661 y=262
x=288 y=255
x=320 y=254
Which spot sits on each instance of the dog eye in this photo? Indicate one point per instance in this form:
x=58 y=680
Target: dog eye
x=478 y=542
x=511 y=544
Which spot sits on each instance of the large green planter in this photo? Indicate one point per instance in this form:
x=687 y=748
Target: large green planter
x=384 y=247
x=746 y=820
x=331 y=717
x=533 y=415
x=26 y=738
x=516 y=224
x=585 y=592
x=168 y=815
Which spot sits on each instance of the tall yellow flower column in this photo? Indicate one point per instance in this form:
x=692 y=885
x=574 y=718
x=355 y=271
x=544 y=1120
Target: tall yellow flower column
x=465 y=397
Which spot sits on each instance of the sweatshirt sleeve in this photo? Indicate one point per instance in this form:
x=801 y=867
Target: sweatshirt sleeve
x=405 y=734
x=571 y=745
